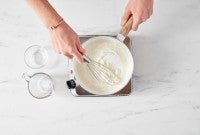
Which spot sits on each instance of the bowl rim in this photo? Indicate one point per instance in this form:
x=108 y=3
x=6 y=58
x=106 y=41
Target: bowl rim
x=131 y=65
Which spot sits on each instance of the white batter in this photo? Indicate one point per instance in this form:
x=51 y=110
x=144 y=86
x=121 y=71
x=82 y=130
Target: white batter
x=110 y=54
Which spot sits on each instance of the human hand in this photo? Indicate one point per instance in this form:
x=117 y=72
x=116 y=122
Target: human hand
x=141 y=10
x=66 y=41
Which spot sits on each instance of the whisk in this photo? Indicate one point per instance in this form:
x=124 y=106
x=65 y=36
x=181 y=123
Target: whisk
x=101 y=72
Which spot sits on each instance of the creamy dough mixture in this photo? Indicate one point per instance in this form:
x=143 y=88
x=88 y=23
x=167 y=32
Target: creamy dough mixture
x=111 y=55
x=108 y=72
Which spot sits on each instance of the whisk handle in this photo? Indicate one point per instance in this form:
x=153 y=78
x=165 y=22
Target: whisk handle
x=86 y=59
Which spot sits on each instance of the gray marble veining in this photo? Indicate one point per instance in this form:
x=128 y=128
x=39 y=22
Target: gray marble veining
x=165 y=99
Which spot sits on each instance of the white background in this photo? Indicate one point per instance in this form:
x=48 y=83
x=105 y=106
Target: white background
x=166 y=96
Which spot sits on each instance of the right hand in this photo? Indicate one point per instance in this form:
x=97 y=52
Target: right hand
x=66 y=41
x=141 y=10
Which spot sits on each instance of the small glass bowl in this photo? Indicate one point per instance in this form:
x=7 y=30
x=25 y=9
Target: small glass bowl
x=36 y=57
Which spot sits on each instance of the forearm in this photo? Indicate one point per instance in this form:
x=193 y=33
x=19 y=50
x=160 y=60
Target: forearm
x=45 y=11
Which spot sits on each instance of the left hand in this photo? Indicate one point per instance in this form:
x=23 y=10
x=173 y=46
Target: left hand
x=141 y=10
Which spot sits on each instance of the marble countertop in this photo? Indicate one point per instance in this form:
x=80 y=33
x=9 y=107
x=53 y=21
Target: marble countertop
x=166 y=95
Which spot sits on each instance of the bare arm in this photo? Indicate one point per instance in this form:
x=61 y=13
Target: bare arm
x=64 y=39
x=45 y=11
